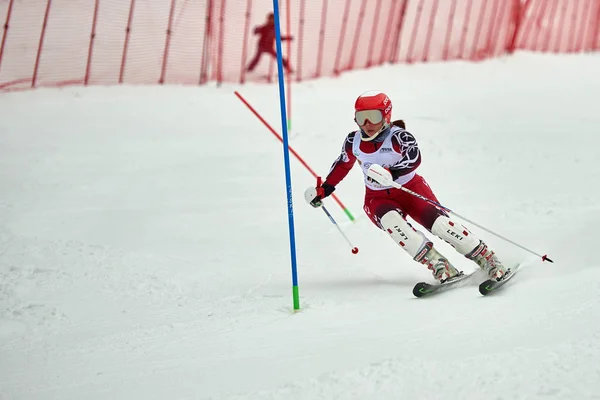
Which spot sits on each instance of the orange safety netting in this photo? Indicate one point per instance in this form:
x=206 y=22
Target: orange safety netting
x=58 y=42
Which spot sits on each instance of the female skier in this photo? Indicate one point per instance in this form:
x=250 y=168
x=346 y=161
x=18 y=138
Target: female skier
x=389 y=144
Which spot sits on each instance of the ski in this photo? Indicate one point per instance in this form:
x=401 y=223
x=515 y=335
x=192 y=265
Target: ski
x=491 y=285
x=423 y=289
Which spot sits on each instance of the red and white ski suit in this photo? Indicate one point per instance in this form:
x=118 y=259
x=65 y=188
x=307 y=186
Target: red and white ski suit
x=397 y=150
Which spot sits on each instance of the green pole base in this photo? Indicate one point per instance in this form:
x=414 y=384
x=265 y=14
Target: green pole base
x=296 y=298
x=349 y=214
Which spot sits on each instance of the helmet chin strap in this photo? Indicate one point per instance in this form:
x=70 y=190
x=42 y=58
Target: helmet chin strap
x=384 y=126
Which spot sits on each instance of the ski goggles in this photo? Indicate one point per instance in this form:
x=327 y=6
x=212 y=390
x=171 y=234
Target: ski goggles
x=373 y=116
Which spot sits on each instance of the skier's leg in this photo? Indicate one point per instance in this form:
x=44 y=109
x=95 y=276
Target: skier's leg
x=468 y=245
x=385 y=214
x=272 y=52
x=255 y=60
x=417 y=245
x=438 y=223
x=286 y=65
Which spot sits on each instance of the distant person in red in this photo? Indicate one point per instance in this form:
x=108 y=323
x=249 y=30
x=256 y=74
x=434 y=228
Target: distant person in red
x=266 y=43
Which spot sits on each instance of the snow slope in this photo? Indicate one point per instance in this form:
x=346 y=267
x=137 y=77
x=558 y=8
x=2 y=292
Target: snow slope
x=144 y=249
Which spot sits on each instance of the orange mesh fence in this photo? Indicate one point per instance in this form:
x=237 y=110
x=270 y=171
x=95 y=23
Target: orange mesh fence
x=58 y=42
x=559 y=26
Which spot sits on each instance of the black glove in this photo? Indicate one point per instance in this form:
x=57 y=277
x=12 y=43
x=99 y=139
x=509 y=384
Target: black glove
x=395 y=173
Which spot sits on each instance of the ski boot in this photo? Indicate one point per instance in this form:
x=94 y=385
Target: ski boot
x=487 y=261
x=439 y=265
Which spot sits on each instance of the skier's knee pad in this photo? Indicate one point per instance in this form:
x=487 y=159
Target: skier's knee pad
x=455 y=234
x=402 y=233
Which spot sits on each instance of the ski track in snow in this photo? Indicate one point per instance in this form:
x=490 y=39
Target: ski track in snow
x=141 y=260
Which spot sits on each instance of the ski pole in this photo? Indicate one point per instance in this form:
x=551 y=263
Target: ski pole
x=354 y=249
x=383 y=176
x=278 y=136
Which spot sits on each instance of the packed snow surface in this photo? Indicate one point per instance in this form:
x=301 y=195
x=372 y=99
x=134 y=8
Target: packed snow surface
x=145 y=252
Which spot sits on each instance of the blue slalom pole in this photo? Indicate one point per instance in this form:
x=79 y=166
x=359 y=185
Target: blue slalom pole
x=286 y=155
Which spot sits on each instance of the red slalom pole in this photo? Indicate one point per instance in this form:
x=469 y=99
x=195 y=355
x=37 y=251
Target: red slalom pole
x=270 y=128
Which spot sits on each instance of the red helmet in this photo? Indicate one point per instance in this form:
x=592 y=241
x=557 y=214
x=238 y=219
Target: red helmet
x=373 y=100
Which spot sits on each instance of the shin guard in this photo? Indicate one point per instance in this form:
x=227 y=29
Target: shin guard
x=402 y=233
x=457 y=235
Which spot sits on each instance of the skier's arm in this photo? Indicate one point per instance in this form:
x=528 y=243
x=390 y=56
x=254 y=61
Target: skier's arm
x=343 y=164
x=405 y=144
x=338 y=171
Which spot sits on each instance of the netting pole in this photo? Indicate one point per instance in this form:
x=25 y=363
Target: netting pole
x=321 y=39
x=450 y=22
x=245 y=42
x=374 y=31
x=415 y=31
x=300 y=41
x=491 y=38
x=5 y=34
x=431 y=25
x=538 y=29
x=206 y=44
x=126 y=43
x=340 y=45
x=526 y=30
x=547 y=37
x=286 y=157
x=41 y=45
x=88 y=66
x=579 y=43
x=499 y=46
x=595 y=45
x=563 y=18
x=465 y=30
x=221 y=43
x=385 y=47
x=586 y=25
x=478 y=29
x=359 y=24
x=514 y=25
x=397 y=37
x=163 y=70
x=574 y=19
